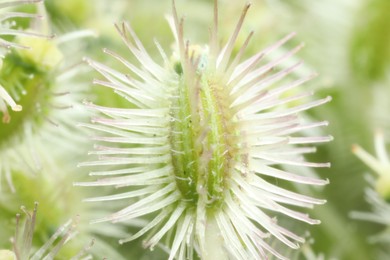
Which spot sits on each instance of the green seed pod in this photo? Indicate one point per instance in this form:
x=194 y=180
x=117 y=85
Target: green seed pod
x=198 y=141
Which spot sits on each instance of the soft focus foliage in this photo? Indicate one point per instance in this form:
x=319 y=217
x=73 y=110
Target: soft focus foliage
x=43 y=70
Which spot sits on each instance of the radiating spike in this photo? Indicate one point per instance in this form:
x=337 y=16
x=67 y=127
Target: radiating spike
x=224 y=56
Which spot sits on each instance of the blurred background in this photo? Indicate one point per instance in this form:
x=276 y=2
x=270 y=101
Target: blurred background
x=346 y=41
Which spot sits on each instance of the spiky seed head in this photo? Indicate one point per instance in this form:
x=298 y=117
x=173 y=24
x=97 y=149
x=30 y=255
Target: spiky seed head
x=196 y=149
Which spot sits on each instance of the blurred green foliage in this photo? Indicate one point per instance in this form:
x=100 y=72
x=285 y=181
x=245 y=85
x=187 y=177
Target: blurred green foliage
x=370 y=51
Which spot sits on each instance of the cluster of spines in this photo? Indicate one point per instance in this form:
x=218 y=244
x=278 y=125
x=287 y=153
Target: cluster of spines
x=22 y=241
x=265 y=137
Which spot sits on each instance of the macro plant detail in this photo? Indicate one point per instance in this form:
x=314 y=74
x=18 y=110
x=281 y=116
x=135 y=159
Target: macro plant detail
x=379 y=164
x=378 y=194
x=207 y=142
x=24 y=75
x=201 y=137
x=22 y=241
x=34 y=82
x=7 y=30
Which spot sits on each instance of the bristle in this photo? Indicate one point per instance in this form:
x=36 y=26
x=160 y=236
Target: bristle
x=224 y=55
